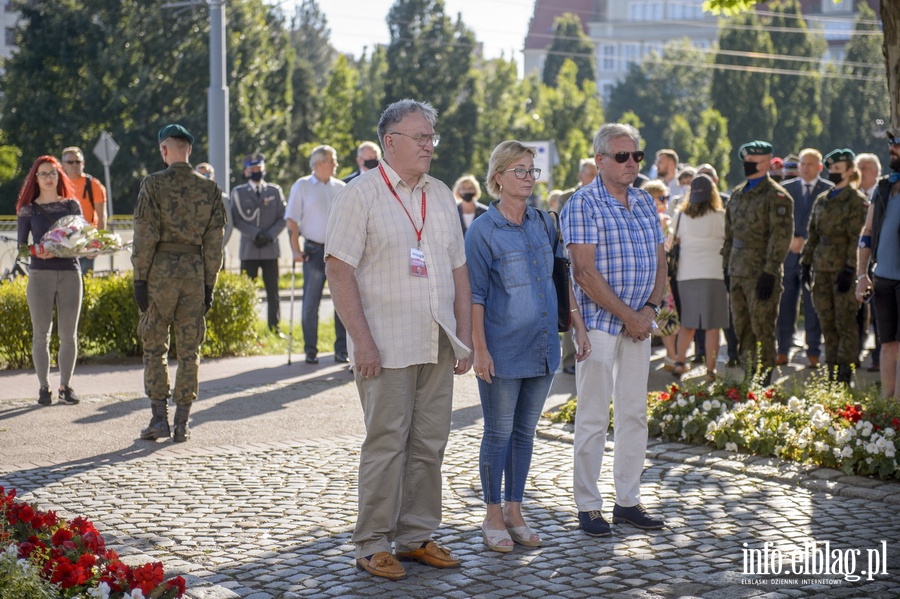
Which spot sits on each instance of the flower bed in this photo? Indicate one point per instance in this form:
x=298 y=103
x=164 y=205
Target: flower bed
x=45 y=556
x=821 y=423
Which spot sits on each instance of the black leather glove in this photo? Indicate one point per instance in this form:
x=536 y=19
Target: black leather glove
x=806 y=276
x=207 y=297
x=261 y=240
x=727 y=280
x=765 y=285
x=844 y=279
x=141 y=298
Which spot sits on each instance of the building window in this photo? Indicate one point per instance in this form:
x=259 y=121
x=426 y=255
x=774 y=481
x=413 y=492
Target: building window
x=605 y=88
x=630 y=55
x=608 y=57
x=10 y=37
x=837 y=6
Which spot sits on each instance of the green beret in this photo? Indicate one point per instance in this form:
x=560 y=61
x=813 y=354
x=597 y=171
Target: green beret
x=175 y=130
x=755 y=148
x=839 y=155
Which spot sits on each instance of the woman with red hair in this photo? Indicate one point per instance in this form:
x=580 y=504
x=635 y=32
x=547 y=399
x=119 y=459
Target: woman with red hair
x=47 y=196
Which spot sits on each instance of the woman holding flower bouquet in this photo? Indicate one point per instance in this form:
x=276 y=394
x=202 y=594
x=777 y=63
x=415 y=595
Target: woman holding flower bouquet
x=46 y=196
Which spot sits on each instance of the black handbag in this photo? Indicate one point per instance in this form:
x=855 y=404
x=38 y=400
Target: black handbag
x=560 y=278
x=674 y=252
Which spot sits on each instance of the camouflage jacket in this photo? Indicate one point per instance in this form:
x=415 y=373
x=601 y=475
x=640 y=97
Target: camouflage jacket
x=759 y=224
x=834 y=226
x=178 y=206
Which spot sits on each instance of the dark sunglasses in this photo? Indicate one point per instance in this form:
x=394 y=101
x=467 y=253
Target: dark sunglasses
x=894 y=142
x=73 y=161
x=622 y=157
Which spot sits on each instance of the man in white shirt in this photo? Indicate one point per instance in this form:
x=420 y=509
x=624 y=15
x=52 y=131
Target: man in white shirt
x=307 y=216
x=869 y=167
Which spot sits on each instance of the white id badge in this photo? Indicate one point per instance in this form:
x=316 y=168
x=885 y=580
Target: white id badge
x=417 y=266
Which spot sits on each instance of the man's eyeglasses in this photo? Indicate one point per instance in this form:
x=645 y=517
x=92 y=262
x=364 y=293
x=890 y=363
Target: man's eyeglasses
x=73 y=161
x=48 y=175
x=422 y=140
x=521 y=173
x=622 y=157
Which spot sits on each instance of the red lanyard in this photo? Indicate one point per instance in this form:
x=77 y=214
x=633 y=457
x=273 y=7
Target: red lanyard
x=408 y=215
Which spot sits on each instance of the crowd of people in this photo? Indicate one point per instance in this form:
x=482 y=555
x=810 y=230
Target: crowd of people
x=428 y=282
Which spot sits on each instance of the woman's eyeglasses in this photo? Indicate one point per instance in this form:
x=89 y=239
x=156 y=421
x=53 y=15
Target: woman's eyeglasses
x=48 y=175
x=521 y=173
x=622 y=157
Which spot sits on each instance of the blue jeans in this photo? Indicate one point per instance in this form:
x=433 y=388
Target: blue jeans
x=787 y=312
x=313 y=284
x=511 y=408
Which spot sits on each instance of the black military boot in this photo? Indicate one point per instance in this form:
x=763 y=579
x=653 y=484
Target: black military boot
x=844 y=374
x=159 y=424
x=182 y=431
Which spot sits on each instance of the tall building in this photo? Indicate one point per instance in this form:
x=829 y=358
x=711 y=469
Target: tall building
x=8 y=41
x=626 y=31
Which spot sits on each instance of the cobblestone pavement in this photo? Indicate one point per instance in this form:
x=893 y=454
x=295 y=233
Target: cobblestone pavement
x=274 y=521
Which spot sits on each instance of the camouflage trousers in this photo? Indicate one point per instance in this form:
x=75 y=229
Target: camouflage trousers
x=837 y=315
x=754 y=321
x=176 y=304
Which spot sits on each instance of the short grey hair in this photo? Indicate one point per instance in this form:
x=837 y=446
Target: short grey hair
x=399 y=110
x=318 y=155
x=502 y=156
x=370 y=145
x=611 y=131
x=866 y=157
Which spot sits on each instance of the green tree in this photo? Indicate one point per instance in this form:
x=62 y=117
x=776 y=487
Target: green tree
x=661 y=87
x=570 y=43
x=739 y=92
x=858 y=104
x=428 y=59
x=369 y=101
x=129 y=68
x=679 y=136
x=711 y=143
x=335 y=123
x=798 y=97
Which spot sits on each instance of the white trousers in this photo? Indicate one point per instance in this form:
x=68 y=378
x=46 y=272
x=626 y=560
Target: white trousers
x=616 y=368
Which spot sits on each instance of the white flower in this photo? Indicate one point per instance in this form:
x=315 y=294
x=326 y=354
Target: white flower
x=101 y=591
x=681 y=403
x=847 y=451
x=872 y=448
x=801 y=442
x=731 y=446
x=889 y=451
x=821 y=447
x=136 y=594
x=795 y=405
x=716 y=403
x=12 y=551
x=707 y=406
x=711 y=427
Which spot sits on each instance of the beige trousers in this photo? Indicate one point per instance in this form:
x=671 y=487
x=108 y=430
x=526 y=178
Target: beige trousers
x=407 y=415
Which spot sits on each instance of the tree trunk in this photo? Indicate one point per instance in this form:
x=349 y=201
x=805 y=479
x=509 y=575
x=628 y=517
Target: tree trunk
x=890 y=19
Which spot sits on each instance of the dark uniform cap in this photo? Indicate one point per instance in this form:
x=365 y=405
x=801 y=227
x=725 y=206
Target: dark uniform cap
x=791 y=162
x=254 y=159
x=839 y=155
x=892 y=136
x=701 y=189
x=755 y=148
x=175 y=130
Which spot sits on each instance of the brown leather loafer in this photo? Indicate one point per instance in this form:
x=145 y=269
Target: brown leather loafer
x=781 y=359
x=382 y=564
x=431 y=554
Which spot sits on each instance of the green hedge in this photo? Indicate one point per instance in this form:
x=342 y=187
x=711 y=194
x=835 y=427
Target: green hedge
x=109 y=319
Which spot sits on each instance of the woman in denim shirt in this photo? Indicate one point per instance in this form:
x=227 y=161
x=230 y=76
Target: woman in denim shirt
x=514 y=332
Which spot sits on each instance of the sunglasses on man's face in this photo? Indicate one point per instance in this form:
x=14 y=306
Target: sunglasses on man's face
x=622 y=157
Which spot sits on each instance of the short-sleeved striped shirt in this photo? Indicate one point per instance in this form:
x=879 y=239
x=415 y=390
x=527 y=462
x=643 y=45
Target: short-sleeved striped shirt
x=626 y=240
x=369 y=230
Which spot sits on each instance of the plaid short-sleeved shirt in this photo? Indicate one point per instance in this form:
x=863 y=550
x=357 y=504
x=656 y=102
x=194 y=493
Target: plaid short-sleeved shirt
x=626 y=240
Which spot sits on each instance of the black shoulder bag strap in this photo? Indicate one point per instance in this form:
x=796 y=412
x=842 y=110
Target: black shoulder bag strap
x=89 y=190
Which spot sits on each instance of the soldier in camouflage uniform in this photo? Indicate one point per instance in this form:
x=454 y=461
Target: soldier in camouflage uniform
x=179 y=223
x=759 y=224
x=835 y=222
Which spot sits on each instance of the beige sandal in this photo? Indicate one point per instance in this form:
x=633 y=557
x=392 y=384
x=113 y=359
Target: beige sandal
x=492 y=539
x=523 y=535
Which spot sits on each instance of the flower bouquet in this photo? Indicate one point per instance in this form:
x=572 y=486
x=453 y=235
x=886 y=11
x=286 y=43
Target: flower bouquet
x=44 y=556
x=73 y=237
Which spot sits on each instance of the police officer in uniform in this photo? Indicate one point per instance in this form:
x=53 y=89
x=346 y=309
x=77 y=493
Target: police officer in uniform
x=835 y=222
x=258 y=208
x=759 y=223
x=179 y=223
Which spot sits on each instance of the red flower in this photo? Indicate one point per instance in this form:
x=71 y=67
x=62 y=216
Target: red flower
x=851 y=412
x=87 y=561
x=895 y=423
x=663 y=396
x=733 y=394
x=751 y=395
x=177 y=583
x=769 y=393
x=93 y=541
x=61 y=536
x=148 y=576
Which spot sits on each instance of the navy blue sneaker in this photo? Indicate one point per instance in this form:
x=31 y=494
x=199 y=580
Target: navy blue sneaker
x=594 y=524
x=636 y=516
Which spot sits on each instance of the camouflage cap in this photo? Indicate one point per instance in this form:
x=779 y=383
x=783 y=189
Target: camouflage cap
x=254 y=159
x=701 y=189
x=175 y=130
x=755 y=148
x=839 y=155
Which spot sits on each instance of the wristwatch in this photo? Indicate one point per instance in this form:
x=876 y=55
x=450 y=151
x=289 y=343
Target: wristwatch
x=653 y=306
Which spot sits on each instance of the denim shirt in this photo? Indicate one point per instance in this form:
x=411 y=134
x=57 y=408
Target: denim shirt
x=510 y=269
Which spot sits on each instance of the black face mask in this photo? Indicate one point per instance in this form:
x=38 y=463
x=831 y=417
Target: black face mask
x=467 y=197
x=258 y=176
x=750 y=168
x=836 y=178
x=370 y=164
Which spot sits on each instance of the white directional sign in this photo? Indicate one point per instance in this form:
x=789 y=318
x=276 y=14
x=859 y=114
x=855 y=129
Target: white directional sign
x=106 y=149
